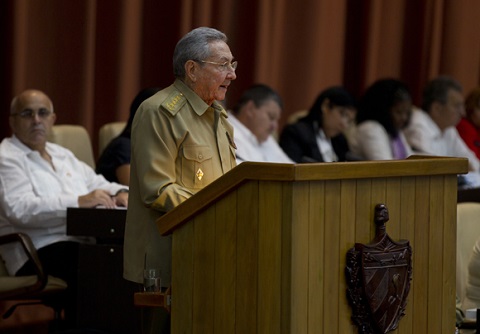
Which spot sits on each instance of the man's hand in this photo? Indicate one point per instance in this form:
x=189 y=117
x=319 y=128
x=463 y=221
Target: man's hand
x=97 y=197
x=121 y=199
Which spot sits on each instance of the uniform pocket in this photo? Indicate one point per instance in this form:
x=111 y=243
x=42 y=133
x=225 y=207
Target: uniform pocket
x=197 y=166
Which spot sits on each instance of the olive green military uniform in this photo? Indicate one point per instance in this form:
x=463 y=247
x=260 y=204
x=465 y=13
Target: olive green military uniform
x=179 y=145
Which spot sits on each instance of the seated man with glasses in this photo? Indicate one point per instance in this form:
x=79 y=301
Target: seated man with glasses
x=255 y=120
x=38 y=182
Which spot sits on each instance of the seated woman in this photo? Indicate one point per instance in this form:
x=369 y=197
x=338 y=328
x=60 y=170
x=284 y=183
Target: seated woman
x=114 y=163
x=383 y=112
x=469 y=126
x=318 y=136
x=472 y=292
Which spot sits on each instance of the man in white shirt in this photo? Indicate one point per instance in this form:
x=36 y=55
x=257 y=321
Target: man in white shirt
x=255 y=119
x=433 y=131
x=38 y=181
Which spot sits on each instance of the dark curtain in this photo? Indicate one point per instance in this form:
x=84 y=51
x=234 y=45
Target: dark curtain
x=92 y=56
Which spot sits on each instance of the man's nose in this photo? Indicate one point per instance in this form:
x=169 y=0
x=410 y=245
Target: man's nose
x=232 y=75
x=36 y=117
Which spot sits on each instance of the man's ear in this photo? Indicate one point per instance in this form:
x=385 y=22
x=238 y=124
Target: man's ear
x=191 y=70
x=249 y=108
x=250 y=111
x=247 y=113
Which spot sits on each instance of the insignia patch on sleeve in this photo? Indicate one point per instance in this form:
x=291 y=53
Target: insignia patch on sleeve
x=174 y=102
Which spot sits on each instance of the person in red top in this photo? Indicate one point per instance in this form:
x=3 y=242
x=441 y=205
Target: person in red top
x=469 y=127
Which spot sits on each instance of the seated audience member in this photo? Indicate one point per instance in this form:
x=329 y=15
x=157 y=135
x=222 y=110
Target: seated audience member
x=472 y=291
x=469 y=126
x=39 y=180
x=254 y=120
x=318 y=137
x=459 y=313
x=383 y=112
x=432 y=130
x=114 y=163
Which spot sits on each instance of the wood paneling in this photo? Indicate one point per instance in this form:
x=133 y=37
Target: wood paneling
x=268 y=255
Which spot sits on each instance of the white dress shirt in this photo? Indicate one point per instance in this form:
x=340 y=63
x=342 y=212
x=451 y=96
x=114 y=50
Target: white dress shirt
x=249 y=149
x=325 y=146
x=34 y=196
x=425 y=136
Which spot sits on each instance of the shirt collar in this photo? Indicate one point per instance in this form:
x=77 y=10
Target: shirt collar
x=21 y=146
x=49 y=147
x=198 y=105
x=432 y=126
x=241 y=129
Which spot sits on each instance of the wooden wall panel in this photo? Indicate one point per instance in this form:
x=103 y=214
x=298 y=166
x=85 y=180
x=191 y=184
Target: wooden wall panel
x=204 y=266
x=363 y=210
x=449 y=250
x=407 y=231
x=182 y=280
x=278 y=250
x=412 y=216
x=393 y=192
x=419 y=286
x=247 y=260
x=269 y=257
x=317 y=261
x=435 y=254
x=286 y=288
x=299 y=297
x=333 y=259
x=347 y=237
x=225 y=264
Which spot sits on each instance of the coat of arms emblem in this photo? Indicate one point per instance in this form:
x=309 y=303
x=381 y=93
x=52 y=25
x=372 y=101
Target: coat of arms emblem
x=378 y=278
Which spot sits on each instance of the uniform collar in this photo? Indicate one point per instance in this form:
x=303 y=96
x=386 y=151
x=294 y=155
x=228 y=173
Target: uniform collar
x=198 y=105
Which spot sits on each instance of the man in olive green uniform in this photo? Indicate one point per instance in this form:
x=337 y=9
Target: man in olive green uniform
x=181 y=142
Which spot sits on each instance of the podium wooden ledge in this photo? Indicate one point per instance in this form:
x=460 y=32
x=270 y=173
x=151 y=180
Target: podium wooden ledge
x=152 y=299
x=415 y=165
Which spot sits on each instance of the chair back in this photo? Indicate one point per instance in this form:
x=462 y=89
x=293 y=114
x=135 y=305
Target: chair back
x=107 y=133
x=468 y=231
x=76 y=139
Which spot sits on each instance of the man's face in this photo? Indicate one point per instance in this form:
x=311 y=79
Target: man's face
x=263 y=120
x=32 y=119
x=213 y=79
x=452 y=110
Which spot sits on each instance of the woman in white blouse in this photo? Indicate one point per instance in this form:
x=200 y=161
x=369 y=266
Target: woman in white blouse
x=384 y=111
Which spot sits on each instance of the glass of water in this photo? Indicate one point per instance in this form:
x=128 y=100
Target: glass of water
x=152 y=280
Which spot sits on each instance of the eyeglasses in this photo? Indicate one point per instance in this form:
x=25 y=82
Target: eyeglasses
x=29 y=113
x=223 y=66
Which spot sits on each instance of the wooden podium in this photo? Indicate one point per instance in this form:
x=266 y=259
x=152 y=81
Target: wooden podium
x=263 y=248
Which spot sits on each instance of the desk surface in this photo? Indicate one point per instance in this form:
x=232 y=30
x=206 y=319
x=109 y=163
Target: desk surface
x=103 y=224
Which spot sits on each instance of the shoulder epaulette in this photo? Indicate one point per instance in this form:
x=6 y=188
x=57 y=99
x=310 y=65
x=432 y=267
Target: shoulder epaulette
x=174 y=102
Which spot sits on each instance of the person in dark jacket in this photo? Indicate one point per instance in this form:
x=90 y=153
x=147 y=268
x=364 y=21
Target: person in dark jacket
x=318 y=137
x=114 y=163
